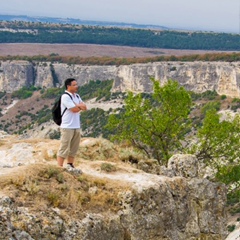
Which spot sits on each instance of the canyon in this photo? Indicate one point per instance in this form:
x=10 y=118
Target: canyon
x=222 y=77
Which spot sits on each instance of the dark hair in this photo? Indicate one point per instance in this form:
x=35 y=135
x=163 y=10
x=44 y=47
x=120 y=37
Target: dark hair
x=69 y=81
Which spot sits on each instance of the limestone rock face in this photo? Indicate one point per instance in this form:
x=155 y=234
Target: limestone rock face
x=223 y=77
x=174 y=208
x=44 y=77
x=179 y=206
x=15 y=74
x=84 y=74
x=167 y=208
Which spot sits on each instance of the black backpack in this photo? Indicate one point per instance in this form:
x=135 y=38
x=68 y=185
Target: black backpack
x=56 y=110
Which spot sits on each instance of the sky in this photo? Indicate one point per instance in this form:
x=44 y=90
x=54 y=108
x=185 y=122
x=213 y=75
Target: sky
x=204 y=15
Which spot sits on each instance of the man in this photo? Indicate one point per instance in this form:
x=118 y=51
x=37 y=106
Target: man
x=70 y=126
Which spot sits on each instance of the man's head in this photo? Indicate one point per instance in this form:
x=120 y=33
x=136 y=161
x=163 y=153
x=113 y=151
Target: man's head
x=71 y=85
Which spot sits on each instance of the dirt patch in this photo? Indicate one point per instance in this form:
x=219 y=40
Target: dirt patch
x=15 y=112
x=90 y=50
x=39 y=183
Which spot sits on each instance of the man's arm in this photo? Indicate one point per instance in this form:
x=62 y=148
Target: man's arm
x=82 y=106
x=79 y=107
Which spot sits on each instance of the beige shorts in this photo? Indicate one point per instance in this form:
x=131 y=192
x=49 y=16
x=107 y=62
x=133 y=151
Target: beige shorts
x=70 y=139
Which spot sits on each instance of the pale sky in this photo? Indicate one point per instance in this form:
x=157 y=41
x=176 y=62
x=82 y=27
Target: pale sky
x=206 y=15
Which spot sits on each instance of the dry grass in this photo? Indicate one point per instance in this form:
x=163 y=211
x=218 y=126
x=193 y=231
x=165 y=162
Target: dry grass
x=98 y=149
x=41 y=186
x=108 y=167
x=101 y=149
x=44 y=185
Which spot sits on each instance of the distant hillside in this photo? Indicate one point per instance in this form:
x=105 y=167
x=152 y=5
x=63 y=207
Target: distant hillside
x=74 y=21
x=67 y=32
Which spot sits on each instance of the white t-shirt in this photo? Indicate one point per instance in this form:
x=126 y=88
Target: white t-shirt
x=70 y=119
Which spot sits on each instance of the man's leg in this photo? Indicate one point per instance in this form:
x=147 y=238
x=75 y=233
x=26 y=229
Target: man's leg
x=74 y=146
x=60 y=161
x=66 y=136
x=70 y=160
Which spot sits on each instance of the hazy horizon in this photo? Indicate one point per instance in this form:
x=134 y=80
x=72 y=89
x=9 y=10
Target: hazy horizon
x=207 y=15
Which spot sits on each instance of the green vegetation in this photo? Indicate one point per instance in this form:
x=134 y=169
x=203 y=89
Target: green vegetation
x=44 y=115
x=218 y=142
x=96 y=89
x=231 y=228
x=236 y=104
x=209 y=106
x=24 y=92
x=59 y=33
x=207 y=95
x=218 y=147
x=52 y=93
x=161 y=125
x=157 y=125
x=233 y=199
x=93 y=122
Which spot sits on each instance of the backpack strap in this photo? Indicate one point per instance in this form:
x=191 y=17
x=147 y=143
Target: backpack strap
x=66 y=108
x=68 y=95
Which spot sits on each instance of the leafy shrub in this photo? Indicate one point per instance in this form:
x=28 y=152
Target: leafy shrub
x=52 y=92
x=107 y=167
x=236 y=100
x=231 y=228
x=208 y=95
x=223 y=97
x=210 y=105
x=235 y=104
x=96 y=89
x=24 y=92
x=94 y=121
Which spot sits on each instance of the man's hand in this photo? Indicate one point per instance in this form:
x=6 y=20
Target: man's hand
x=82 y=106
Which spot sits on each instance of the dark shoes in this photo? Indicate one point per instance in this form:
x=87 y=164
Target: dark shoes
x=70 y=168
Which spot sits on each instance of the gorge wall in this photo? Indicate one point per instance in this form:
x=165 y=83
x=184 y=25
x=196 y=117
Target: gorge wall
x=223 y=77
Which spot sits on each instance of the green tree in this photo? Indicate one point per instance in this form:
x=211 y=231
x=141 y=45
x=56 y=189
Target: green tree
x=210 y=105
x=218 y=146
x=218 y=141
x=157 y=124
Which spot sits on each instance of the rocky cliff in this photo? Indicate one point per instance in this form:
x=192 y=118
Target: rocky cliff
x=223 y=77
x=40 y=201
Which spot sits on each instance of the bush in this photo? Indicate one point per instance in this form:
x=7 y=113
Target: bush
x=223 y=97
x=107 y=167
x=231 y=228
x=24 y=92
x=52 y=93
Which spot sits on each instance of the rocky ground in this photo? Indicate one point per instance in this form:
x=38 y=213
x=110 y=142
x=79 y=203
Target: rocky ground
x=106 y=170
